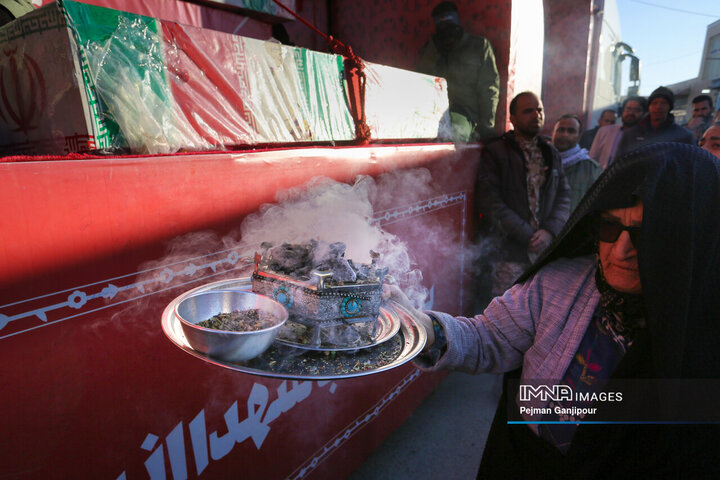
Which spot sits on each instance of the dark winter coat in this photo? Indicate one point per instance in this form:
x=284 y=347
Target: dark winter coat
x=643 y=133
x=502 y=195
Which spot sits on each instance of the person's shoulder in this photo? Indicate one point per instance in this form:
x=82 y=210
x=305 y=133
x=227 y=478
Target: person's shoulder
x=546 y=145
x=476 y=39
x=588 y=160
x=585 y=164
x=595 y=164
x=589 y=133
x=639 y=129
x=427 y=53
x=477 y=44
x=499 y=141
x=428 y=45
x=609 y=129
x=590 y=167
x=560 y=280
x=499 y=150
x=545 y=141
x=684 y=134
x=494 y=151
x=566 y=268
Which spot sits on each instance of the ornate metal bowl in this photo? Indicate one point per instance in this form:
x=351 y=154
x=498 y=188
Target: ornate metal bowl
x=317 y=303
x=231 y=346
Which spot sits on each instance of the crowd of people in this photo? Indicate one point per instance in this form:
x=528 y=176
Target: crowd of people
x=608 y=270
x=529 y=183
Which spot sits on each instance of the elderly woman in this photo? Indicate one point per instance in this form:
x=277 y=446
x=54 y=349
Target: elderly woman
x=629 y=290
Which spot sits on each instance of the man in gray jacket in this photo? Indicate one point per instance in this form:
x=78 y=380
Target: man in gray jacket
x=12 y=9
x=522 y=193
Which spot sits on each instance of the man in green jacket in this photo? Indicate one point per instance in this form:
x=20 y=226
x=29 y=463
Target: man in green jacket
x=467 y=62
x=12 y=9
x=581 y=171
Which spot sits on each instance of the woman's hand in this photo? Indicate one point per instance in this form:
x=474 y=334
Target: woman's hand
x=393 y=292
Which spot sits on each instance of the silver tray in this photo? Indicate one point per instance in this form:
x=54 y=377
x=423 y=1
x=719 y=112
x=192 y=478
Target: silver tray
x=402 y=347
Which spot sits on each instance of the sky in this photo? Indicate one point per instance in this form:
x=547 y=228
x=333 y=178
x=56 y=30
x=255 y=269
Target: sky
x=668 y=36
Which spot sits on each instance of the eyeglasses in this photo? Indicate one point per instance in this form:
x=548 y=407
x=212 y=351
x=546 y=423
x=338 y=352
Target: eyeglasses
x=609 y=232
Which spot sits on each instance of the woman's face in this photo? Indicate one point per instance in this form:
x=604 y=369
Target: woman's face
x=619 y=258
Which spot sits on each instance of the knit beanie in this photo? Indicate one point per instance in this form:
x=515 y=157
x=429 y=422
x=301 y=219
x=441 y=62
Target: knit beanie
x=663 y=92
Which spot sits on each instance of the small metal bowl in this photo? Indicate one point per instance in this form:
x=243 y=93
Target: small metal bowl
x=231 y=346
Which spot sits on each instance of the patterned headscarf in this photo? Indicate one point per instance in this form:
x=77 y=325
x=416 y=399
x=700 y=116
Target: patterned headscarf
x=621 y=314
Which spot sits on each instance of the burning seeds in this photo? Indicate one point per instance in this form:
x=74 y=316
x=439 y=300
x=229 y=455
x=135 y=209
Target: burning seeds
x=238 y=321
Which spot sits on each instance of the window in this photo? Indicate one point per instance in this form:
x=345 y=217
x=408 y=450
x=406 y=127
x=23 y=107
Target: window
x=712 y=61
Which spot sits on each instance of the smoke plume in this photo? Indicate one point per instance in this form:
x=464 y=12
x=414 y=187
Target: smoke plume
x=328 y=211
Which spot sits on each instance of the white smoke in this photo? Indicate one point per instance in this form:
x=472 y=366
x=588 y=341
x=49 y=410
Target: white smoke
x=322 y=210
x=328 y=211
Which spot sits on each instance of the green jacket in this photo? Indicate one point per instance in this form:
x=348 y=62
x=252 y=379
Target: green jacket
x=17 y=8
x=472 y=77
x=580 y=176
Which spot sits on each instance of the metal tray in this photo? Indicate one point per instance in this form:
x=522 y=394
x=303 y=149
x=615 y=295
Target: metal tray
x=400 y=349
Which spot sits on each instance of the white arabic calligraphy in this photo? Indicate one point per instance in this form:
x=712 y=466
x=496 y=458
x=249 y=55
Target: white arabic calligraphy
x=216 y=446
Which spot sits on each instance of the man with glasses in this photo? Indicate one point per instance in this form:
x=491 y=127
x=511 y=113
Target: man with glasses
x=627 y=292
x=605 y=144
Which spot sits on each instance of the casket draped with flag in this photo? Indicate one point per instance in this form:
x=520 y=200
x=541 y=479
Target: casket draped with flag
x=76 y=77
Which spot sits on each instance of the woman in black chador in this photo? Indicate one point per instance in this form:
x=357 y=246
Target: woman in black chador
x=673 y=323
x=627 y=298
